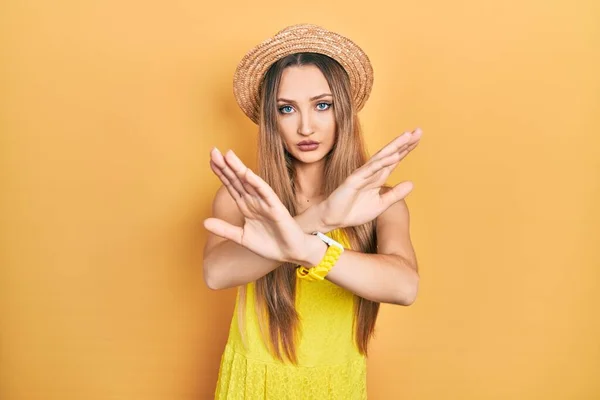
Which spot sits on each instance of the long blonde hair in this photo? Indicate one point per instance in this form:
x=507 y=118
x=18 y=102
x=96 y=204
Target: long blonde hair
x=276 y=291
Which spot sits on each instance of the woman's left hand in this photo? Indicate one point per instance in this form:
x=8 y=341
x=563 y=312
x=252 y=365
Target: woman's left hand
x=360 y=198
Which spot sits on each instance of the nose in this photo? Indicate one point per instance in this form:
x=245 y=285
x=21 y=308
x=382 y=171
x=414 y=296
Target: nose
x=305 y=124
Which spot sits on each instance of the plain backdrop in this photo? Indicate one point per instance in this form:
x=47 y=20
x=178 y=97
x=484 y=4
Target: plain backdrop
x=108 y=113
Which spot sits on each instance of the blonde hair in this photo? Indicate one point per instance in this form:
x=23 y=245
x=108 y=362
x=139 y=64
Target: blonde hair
x=276 y=291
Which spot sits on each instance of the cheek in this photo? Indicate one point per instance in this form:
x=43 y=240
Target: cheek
x=327 y=124
x=286 y=128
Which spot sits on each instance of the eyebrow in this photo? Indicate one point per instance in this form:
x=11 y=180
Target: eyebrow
x=311 y=99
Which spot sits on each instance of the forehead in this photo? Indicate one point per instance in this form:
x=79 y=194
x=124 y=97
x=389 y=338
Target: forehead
x=302 y=82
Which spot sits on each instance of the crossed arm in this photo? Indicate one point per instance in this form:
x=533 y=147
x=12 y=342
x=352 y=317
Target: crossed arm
x=252 y=233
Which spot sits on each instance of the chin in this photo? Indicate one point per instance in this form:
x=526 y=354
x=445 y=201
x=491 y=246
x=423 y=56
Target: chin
x=309 y=157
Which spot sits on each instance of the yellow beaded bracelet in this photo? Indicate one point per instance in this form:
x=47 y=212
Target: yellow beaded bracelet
x=319 y=271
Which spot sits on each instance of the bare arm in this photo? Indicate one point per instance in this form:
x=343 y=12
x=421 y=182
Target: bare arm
x=252 y=233
x=391 y=275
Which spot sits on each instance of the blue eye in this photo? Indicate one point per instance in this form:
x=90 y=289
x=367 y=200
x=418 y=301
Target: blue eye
x=286 y=109
x=323 y=106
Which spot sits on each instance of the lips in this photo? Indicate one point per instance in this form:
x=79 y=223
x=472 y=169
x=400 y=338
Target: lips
x=307 y=142
x=308 y=145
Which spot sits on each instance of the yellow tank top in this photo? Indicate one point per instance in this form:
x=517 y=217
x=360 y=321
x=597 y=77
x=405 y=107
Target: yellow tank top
x=329 y=363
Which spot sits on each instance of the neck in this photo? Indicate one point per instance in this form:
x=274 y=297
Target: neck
x=309 y=179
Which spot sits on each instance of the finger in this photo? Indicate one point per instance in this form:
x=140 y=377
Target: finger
x=412 y=146
x=399 y=144
x=218 y=172
x=267 y=194
x=382 y=160
x=232 y=192
x=247 y=190
x=218 y=161
x=240 y=170
x=242 y=202
x=401 y=155
x=416 y=135
x=379 y=177
x=396 y=194
x=224 y=229
x=217 y=157
x=392 y=147
x=380 y=169
x=231 y=176
x=368 y=171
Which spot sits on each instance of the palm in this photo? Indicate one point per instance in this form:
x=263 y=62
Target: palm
x=269 y=230
x=354 y=206
x=360 y=198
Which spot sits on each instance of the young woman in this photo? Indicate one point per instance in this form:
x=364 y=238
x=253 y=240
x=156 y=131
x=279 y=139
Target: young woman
x=314 y=240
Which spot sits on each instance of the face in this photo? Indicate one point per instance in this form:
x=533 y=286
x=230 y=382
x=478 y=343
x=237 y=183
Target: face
x=305 y=113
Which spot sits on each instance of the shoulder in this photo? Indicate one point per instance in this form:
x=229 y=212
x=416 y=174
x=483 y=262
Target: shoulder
x=224 y=207
x=393 y=230
x=396 y=211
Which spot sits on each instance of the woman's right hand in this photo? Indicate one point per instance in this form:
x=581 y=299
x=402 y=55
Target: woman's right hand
x=360 y=198
x=269 y=230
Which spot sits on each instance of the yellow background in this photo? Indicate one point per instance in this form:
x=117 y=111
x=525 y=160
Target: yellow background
x=109 y=110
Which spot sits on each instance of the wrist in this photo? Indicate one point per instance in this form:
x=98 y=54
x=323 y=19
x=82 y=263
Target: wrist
x=312 y=251
x=321 y=216
x=312 y=220
x=318 y=272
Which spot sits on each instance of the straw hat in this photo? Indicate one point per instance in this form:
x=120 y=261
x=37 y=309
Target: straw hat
x=300 y=39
